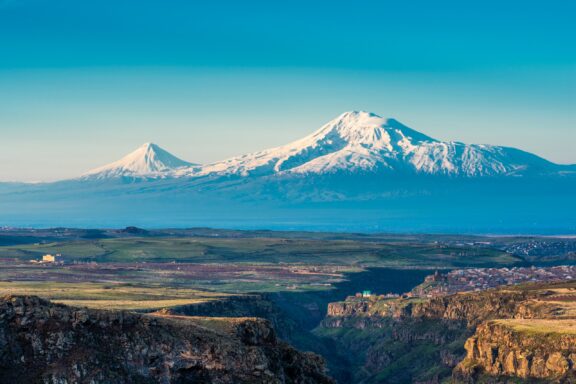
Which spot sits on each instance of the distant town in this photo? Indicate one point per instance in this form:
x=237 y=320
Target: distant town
x=478 y=279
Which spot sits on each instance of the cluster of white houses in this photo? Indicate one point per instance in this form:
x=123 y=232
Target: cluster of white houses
x=478 y=279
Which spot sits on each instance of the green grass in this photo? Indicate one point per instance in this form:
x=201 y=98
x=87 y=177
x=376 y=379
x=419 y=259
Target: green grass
x=265 y=250
x=127 y=267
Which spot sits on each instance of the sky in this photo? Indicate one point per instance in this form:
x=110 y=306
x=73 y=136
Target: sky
x=83 y=83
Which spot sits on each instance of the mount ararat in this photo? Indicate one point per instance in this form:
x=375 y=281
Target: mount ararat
x=358 y=172
x=354 y=142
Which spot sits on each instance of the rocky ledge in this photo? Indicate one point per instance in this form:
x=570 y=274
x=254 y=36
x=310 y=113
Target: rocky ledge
x=470 y=308
x=43 y=342
x=535 y=349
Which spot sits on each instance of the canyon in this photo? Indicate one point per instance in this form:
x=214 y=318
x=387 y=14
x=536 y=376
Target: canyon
x=523 y=332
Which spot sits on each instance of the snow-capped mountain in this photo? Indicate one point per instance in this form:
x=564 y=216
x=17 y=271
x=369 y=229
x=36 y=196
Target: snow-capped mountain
x=359 y=172
x=364 y=142
x=148 y=161
x=355 y=142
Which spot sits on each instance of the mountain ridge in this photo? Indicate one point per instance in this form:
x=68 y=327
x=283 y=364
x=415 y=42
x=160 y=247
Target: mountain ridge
x=359 y=172
x=355 y=141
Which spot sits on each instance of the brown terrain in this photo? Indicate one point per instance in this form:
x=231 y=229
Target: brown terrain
x=43 y=342
x=533 y=349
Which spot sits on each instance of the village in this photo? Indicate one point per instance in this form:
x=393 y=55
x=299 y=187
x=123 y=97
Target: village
x=476 y=279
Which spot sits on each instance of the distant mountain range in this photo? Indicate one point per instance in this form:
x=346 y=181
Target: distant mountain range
x=359 y=172
x=354 y=142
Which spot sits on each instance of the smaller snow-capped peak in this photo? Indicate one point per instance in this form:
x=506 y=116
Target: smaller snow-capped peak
x=149 y=160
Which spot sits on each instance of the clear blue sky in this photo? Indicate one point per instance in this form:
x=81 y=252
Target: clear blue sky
x=84 y=82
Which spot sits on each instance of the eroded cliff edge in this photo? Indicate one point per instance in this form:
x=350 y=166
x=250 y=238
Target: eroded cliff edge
x=530 y=350
x=42 y=342
x=422 y=340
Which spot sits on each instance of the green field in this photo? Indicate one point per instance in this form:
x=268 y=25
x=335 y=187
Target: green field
x=265 y=250
x=144 y=271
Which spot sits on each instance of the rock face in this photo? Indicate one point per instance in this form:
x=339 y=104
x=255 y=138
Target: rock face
x=470 y=308
x=499 y=350
x=392 y=342
x=291 y=316
x=42 y=342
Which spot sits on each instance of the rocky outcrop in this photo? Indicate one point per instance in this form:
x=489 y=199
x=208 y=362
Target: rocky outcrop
x=500 y=350
x=255 y=305
x=292 y=315
x=42 y=342
x=471 y=308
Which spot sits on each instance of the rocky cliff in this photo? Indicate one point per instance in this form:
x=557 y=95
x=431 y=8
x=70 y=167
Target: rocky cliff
x=388 y=343
x=42 y=342
x=292 y=315
x=470 y=308
x=422 y=340
x=536 y=349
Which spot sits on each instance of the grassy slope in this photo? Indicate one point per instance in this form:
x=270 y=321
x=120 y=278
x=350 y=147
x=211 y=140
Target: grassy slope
x=110 y=296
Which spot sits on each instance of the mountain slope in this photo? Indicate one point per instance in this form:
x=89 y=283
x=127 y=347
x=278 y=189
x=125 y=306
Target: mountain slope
x=360 y=142
x=148 y=161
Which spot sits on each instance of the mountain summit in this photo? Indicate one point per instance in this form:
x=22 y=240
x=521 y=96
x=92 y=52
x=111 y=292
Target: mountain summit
x=148 y=161
x=361 y=128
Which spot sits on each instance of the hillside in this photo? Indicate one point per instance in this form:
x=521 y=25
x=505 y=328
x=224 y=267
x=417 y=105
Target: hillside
x=45 y=342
